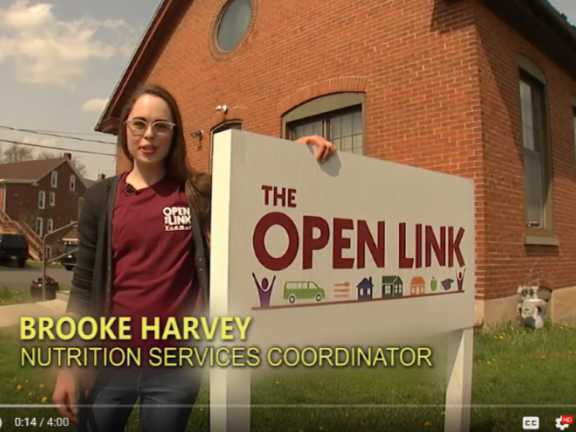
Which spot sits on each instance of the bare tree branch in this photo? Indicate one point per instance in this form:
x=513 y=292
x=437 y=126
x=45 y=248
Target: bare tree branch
x=17 y=154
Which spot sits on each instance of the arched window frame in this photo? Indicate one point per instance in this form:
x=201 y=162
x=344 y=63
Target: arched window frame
x=324 y=109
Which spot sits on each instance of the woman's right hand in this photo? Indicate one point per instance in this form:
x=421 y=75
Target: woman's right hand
x=65 y=395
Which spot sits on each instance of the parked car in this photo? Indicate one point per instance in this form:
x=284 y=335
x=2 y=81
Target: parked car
x=13 y=248
x=69 y=260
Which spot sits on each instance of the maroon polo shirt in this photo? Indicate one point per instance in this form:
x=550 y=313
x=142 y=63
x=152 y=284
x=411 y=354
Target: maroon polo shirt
x=153 y=257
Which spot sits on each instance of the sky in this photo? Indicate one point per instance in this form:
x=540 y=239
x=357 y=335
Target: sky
x=60 y=61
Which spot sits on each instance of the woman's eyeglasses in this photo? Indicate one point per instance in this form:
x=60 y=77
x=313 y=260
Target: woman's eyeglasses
x=139 y=127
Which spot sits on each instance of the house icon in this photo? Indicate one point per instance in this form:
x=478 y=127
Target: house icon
x=365 y=288
x=392 y=286
x=417 y=285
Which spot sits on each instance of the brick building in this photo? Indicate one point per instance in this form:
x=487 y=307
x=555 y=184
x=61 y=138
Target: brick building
x=39 y=196
x=72 y=235
x=477 y=88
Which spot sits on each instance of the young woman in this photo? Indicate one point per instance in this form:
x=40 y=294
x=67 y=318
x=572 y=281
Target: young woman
x=132 y=261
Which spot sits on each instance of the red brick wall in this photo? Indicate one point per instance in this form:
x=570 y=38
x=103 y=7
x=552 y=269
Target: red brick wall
x=510 y=262
x=421 y=64
x=404 y=64
x=22 y=199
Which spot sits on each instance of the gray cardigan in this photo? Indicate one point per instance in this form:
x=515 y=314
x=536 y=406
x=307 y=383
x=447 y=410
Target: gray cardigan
x=92 y=280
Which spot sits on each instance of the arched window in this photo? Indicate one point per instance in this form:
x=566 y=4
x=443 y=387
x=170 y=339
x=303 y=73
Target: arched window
x=232 y=124
x=338 y=117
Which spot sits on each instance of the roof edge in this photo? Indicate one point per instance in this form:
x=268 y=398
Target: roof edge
x=55 y=167
x=110 y=126
x=556 y=19
x=158 y=32
x=18 y=181
x=542 y=25
x=57 y=162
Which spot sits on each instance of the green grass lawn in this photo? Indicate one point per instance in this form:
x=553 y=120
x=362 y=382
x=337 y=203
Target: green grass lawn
x=512 y=366
x=10 y=296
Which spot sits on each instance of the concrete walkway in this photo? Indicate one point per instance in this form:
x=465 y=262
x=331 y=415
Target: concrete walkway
x=10 y=315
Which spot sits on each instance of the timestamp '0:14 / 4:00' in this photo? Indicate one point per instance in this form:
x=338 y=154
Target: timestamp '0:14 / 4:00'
x=40 y=422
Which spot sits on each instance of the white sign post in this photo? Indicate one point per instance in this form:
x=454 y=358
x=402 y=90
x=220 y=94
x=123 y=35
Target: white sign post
x=355 y=251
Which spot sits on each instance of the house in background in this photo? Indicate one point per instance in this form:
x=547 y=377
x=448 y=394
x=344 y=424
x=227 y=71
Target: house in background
x=72 y=235
x=482 y=89
x=39 y=196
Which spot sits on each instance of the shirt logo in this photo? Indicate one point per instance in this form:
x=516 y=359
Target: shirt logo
x=177 y=219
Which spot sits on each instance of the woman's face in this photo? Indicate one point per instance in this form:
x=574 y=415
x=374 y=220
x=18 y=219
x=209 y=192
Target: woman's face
x=149 y=130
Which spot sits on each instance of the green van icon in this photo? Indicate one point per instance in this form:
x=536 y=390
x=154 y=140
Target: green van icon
x=303 y=291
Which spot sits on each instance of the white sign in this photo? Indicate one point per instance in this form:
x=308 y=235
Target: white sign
x=350 y=252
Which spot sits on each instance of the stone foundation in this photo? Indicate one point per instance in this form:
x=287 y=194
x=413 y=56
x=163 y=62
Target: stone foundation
x=495 y=312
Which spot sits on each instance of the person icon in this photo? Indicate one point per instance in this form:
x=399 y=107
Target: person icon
x=433 y=284
x=460 y=279
x=264 y=290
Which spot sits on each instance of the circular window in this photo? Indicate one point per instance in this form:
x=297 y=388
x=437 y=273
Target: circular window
x=233 y=24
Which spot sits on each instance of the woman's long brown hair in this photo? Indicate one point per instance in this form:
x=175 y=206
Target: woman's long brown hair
x=197 y=186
